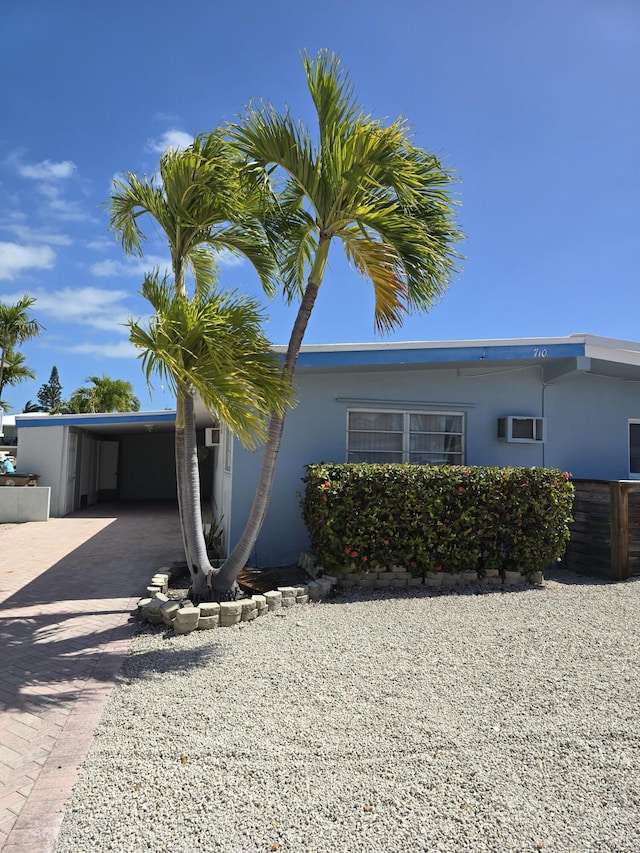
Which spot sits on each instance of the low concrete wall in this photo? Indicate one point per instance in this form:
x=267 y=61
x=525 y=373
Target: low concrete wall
x=24 y=503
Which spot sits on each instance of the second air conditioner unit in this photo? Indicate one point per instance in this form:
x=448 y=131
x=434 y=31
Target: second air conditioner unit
x=212 y=436
x=522 y=429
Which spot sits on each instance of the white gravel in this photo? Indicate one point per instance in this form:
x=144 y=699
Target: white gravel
x=500 y=721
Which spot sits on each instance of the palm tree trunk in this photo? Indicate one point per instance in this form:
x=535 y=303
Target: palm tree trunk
x=180 y=469
x=2 y=358
x=237 y=560
x=188 y=480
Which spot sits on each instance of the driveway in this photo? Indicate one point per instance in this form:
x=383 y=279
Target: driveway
x=67 y=591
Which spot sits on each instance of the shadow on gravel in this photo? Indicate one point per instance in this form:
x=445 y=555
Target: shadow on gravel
x=173 y=661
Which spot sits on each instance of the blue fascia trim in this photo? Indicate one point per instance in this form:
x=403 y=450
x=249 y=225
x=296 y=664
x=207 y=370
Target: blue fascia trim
x=439 y=355
x=96 y=420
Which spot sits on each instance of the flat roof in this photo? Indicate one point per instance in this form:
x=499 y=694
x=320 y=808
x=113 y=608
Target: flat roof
x=133 y=421
x=499 y=349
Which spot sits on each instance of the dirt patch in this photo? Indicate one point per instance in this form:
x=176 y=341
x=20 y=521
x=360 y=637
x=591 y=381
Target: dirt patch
x=257 y=581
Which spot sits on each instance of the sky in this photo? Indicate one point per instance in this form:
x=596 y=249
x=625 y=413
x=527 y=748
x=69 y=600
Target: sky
x=534 y=105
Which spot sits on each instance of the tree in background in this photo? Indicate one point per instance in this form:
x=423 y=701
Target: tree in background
x=50 y=394
x=359 y=183
x=104 y=395
x=203 y=203
x=16 y=327
x=15 y=371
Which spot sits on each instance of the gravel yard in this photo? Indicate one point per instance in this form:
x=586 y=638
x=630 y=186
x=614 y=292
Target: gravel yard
x=469 y=721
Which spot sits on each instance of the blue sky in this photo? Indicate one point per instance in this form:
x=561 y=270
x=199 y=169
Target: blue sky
x=535 y=105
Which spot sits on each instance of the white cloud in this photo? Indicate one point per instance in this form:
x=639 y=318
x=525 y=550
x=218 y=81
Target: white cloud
x=88 y=306
x=48 y=175
x=167 y=118
x=225 y=258
x=132 y=267
x=17 y=216
x=119 y=349
x=101 y=244
x=141 y=266
x=70 y=211
x=63 y=209
x=33 y=235
x=47 y=170
x=15 y=259
x=170 y=139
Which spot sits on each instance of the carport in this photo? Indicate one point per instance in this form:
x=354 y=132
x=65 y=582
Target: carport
x=116 y=456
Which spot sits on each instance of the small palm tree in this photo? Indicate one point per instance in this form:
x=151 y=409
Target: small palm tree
x=16 y=327
x=364 y=185
x=15 y=369
x=30 y=406
x=104 y=395
x=212 y=346
x=203 y=203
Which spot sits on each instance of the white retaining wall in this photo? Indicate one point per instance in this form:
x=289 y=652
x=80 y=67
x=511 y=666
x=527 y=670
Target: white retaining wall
x=24 y=503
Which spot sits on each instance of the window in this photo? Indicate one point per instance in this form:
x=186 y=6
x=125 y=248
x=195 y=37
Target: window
x=430 y=438
x=634 y=450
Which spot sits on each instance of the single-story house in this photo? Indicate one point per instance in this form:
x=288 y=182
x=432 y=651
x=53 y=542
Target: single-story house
x=571 y=403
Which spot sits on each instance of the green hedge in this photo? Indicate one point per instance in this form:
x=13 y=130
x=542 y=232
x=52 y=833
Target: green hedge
x=428 y=518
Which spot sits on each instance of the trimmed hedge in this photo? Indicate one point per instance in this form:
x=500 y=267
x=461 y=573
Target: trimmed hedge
x=431 y=518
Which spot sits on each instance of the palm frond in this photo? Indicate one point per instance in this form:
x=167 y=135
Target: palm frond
x=201 y=198
x=381 y=266
x=131 y=198
x=202 y=262
x=332 y=94
x=213 y=344
x=294 y=233
x=268 y=139
x=249 y=240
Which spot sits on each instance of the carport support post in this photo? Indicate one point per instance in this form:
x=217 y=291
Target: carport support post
x=619 y=495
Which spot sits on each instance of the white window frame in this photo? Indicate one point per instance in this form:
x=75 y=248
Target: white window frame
x=406 y=431
x=633 y=475
x=228 y=451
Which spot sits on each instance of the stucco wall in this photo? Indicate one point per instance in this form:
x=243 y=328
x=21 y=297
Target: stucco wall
x=587 y=431
x=41 y=451
x=588 y=425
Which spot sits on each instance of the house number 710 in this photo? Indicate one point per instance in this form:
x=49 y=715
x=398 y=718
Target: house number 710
x=539 y=352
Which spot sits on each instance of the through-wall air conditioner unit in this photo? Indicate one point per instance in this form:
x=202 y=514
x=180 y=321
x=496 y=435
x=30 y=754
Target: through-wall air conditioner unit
x=522 y=429
x=212 y=436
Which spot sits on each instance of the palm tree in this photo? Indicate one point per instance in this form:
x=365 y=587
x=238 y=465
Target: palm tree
x=15 y=369
x=203 y=203
x=30 y=407
x=104 y=395
x=16 y=327
x=364 y=185
x=212 y=346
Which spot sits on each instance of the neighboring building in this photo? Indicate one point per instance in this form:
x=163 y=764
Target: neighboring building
x=571 y=403
x=8 y=431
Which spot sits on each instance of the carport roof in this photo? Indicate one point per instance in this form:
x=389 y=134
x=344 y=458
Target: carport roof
x=104 y=422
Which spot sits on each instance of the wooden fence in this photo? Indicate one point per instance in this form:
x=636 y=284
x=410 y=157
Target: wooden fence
x=605 y=533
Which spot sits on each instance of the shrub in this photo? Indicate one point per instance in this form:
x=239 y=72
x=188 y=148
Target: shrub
x=440 y=517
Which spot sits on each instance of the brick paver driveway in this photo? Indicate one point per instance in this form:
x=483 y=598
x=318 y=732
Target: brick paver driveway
x=67 y=590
